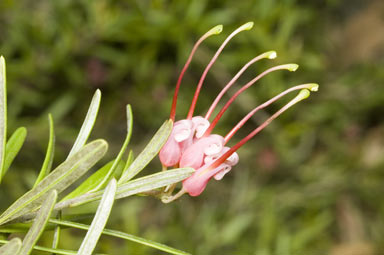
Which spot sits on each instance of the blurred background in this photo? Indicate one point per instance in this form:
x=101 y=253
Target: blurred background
x=310 y=183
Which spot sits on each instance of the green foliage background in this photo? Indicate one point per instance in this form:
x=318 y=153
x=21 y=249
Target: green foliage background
x=311 y=183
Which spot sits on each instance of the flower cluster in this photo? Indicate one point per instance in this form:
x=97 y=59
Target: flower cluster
x=192 y=143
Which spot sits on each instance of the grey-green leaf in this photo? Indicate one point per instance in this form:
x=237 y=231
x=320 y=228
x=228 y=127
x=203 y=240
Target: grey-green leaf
x=92 y=181
x=139 y=185
x=45 y=249
x=149 y=152
x=88 y=123
x=100 y=219
x=13 y=147
x=60 y=178
x=11 y=248
x=129 y=160
x=3 y=114
x=57 y=233
x=38 y=225
x=47 y=164
x=153 y=181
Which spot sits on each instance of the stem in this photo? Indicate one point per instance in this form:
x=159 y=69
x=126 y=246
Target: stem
x=269 y=54
x=167 y=199
x=246 y=26
x=214 y=31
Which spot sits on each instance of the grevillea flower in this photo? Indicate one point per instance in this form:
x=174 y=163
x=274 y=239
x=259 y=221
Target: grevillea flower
x=192 y=143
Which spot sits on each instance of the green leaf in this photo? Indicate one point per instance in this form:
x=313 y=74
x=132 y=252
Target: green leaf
x=60 y=178
x=56 y=237
x=13 y=147
x=112 y=170
x=100 y=219
x=153 y=181
x=40 y=248
x=88 y=123
x=47 y=164
x=57 y=233
x=92 y=181
x=21 y=228
x=12 y=247
x=129 y=160
x=139 y=185
x=149 y=152
x=3 y=115
x=38 y=225
x=122 y=235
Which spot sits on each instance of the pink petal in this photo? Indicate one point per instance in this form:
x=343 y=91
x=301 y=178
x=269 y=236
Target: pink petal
x=231 y=160
x=224 y=169
x=184 y=145
x=196 y=183
x=214 y=144
x=182 y=130
x=170 y=153
x=194 y=155
x=200 y=125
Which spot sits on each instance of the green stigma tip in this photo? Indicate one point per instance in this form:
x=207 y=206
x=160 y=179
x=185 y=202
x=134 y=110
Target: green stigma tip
x=247 y=26
x=303 y=94
x=216 y=30
x=313 y=87
x=291 y=67
x=271 y=54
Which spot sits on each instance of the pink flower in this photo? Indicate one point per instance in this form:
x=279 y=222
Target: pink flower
x=192 y=144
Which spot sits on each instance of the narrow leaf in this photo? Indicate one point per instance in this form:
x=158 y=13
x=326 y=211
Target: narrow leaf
x=149 y=152
x=12 y=247
x=129 y=160
x=13 y=147
x=38 y=225
x=88 y=123
x=56 y=234
x=3 y=115
x=139 y=185
x=100 y=219
x=122 y=235
x=92 y=182
x=47 y=164
x=111 y=171
x=45 y=249
x=59 y=179
x=21 y=228
x=56 y=237
x=153 y=181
